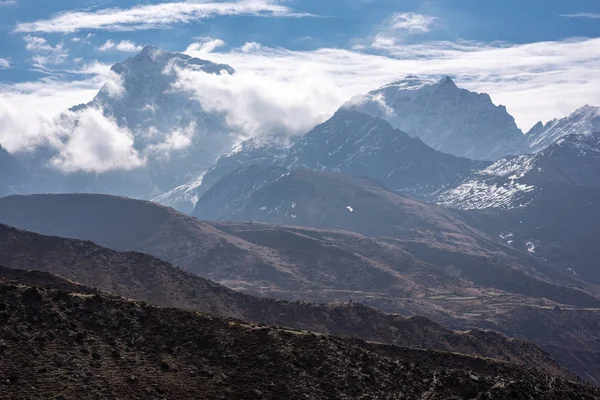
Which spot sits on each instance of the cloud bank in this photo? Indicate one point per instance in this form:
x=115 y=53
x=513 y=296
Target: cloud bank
x=287 y=92
x=155 y=16
x=537 y=81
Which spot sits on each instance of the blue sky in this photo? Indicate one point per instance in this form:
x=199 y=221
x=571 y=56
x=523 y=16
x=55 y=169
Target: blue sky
x=540 y=58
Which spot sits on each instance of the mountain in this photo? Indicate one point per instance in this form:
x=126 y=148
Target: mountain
x=160 y=114
x=356 y=144
x=99 y=346
x=447 y=118
x=545 y=203
x=333 y=201
x=14 y=178
x=461 y=289
x=141 y=277
x=558 y=226
x=256 y=150
x=515 y=182
x=282 y=262
x=582 y=121
x=330 y=200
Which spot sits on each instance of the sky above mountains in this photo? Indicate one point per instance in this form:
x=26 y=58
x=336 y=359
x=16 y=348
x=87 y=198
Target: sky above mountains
x=540 y=58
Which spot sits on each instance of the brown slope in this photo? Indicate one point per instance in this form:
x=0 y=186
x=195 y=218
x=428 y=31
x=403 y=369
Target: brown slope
x=142 y=277
x=44 y=279
x=434 y=234
x=299 y=263
x=95 y=347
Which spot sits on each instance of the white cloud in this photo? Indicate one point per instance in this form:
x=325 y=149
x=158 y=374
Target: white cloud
x=397 y=28
x=584 y=15
x=95 y=143
x=34 y=114
x=125 y=46
x=248 y=47
x=45 y=53
x=29 y=110
x=205 y=46
x=537 y=81
x=412 y=23
x=36 y=43
x=4 y=63
x=155 y=16
x=254 y=102
x=7 y=3
x=177 y=140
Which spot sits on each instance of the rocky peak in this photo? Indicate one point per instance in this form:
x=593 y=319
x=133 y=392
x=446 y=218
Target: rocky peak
x=583 y=121
x=447 y=82
x=446 y=117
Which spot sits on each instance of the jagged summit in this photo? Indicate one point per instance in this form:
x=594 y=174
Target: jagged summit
x=153 y=60
x=446 y=117
x=447 y=81
x=148 y=95
x=583 y=121
x=514 y=182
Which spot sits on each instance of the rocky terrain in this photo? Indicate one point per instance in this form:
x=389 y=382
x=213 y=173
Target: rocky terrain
x=355 y=144
x=544 y=204
x=142 y=277
x=292 y=263
x=515 y=182
x=97 y=346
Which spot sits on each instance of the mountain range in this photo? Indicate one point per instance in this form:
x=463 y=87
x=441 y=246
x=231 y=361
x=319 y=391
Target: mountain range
x=457 y=288
x=185 y=146
x=417 y=225
x=583 y=121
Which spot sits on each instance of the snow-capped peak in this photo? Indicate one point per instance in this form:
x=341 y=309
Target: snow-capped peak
x=411 y=82
x=584 y=120
x=446 y=117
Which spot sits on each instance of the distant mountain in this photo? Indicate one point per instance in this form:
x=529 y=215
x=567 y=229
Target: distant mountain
x=559 y=225
x=333 y=201
x=59 y=344
x=256 y=150
x=14 y=178
x=356 y=144
x=516 y=181
x=545 y=204
x=447 y=118
x=582 y=121
x=144 y=97
x=330 y=200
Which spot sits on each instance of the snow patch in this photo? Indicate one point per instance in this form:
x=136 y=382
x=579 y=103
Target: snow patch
x=530 y=247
